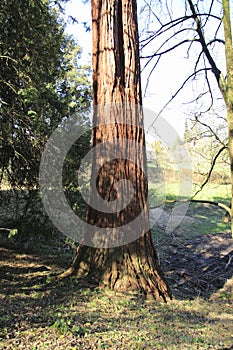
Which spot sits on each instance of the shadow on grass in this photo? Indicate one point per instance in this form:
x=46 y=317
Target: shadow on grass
x=34 y=306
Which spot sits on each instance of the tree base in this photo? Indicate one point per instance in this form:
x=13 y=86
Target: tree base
x=133 y=267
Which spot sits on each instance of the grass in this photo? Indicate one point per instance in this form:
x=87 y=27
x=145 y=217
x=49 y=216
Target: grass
x=83 y=319
x=210 y=217
x=175 y=191
x=38 y=312
x=215 y=192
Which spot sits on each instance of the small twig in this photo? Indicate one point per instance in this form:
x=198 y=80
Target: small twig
x=229 y=261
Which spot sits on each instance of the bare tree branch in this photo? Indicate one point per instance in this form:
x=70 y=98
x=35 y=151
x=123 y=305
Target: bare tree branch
x=148 y=78
x=165 y=28
x=168 y=50
x=216 y=71
x=210 y=171
x=219 y=204
x=153 y=13
x=211 y=130
x=176 y=93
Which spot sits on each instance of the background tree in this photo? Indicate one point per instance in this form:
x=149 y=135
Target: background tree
x=116 y=82
x=41 y=83
x=202 y=28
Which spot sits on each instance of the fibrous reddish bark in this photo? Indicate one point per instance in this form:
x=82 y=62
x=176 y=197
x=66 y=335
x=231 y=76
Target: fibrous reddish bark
x=116 y=83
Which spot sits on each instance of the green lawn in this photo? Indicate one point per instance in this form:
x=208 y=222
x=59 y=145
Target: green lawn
x=208 y=217
x=213 y=192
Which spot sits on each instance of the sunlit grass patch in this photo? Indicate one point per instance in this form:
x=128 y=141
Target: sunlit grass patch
x=177 y=191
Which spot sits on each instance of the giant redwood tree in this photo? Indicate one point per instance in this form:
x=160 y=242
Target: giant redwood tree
x=118 y=123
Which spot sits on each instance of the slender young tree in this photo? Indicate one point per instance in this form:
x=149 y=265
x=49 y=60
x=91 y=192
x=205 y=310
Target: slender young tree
x=116 y=83
x=226 y=88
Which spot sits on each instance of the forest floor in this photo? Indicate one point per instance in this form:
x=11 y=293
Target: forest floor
x=38 y=312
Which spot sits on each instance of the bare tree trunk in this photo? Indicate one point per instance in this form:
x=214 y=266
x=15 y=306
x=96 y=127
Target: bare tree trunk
x=227 y=88
x=116 y=82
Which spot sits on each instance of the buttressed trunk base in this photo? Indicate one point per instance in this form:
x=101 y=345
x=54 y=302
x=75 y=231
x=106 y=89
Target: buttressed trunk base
x=133 y=267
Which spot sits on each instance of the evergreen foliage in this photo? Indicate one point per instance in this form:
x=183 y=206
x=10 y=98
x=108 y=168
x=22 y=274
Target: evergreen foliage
x=41 y=83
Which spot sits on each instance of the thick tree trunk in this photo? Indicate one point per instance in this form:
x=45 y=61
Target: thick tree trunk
x=116 y=83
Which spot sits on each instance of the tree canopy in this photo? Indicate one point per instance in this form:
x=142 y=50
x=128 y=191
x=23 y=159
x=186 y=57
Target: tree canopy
x=41 y=83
